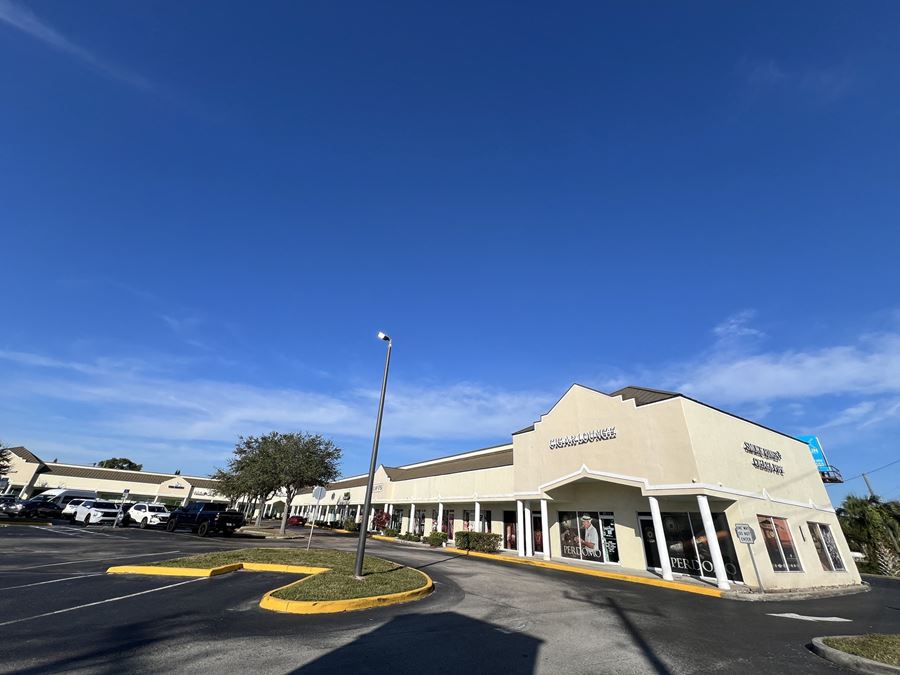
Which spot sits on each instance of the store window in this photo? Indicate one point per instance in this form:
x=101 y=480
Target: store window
x=687 y=545
x=588 y=535
x=419 y=525
x=779 y=544
x=826 y=547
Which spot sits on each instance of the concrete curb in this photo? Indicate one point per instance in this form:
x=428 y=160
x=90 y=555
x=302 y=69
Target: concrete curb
x=855 y=663
x=780 y=596
x=334 y=606
x=154 y=570
x=39 y=523
x=277 y=604
x=174 y=571
x=618 y=576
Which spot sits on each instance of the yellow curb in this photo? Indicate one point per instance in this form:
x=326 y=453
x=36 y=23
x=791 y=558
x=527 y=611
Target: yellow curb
x=174 y=571
x=661 y=583
x=332 y=606
x=40 y=523
x=344 y=531
x=381 y=537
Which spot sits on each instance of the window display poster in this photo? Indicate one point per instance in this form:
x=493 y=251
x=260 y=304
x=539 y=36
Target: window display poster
x=588 y=535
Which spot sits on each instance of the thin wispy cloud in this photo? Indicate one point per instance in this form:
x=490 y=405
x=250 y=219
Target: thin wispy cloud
x=26 y=21
x=826 y=83
x=738 y=325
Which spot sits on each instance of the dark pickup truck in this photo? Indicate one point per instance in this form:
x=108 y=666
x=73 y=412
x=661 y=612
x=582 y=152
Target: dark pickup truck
x=204 y=518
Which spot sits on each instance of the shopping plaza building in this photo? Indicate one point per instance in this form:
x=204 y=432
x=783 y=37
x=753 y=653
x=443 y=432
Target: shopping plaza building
x=29 y=475
x=638 y=479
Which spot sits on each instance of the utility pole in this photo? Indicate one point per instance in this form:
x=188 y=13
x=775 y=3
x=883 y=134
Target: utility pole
x=868 y=485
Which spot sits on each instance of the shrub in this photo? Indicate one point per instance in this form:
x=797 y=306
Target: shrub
x=391 y=533
x=483 y=542
x=409 y=537
x=436 y=539
x=350 y=525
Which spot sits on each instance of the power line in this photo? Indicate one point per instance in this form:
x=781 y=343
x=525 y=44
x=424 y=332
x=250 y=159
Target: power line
x=874 y=470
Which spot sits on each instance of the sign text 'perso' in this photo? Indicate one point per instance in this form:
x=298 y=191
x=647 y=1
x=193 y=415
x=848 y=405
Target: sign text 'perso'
x=588 y=437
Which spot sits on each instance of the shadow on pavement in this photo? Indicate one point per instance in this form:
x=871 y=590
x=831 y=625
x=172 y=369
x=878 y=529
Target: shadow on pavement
x=444 y=642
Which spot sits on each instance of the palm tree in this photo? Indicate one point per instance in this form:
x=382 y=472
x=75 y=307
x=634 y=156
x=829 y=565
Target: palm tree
x=873 y=526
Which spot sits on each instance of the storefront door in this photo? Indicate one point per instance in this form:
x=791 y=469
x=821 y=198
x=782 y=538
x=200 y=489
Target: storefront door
x=648 y=535
x=509 y=530
x=447 y=525
x=537 y=533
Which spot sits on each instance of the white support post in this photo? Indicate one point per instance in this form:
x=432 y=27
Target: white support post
x=664 y=562
x=412 y=519
x=187 y=497
x=545 y=529
x=712 y=540
x=371 y=519
x=520 y=528
x=478 y=516
x=529 y=531
x=440 y=522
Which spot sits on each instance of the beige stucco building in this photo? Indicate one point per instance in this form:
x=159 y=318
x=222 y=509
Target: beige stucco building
x=638 y=479
x=30 y=475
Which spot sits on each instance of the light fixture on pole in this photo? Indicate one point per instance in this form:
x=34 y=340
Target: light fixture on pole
x=363 y=525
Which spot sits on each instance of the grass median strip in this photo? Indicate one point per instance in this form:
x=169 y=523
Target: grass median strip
x=875 y=647
x=330 y=581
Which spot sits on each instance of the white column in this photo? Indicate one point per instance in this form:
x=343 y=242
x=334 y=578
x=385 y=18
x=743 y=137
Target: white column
x=545 y=529
x=664 y=562
x=520 y=528
x=713 y=542
x=478 y=516
x=187 y=497
x=529 y=531
x=412 y=519
x=371 y=519
x=440 y=522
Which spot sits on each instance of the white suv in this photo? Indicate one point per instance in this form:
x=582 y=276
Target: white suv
x=147 y=515
x=95 y=512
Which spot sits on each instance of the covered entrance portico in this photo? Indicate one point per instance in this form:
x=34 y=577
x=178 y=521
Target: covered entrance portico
x=609 y=519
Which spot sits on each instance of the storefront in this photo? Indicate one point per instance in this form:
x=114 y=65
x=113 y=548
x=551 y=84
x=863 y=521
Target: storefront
x=638 y=479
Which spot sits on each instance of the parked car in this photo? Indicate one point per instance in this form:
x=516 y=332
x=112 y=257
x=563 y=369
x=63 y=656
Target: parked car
x=63 y=496
x=297 y=520
x=95 y=512
x=147 y=515
x=11 y=506
x=69 y=509
x=40 y=508
x=205 y=518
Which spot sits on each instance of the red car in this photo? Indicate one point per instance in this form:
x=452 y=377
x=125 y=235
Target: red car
x=297 y=520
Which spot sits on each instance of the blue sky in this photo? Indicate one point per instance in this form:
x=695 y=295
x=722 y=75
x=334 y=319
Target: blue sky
x=208 y=210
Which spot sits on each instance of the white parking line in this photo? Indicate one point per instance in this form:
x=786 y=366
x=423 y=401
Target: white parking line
x=117 y=557
x=53 y=581
x=102 y=602
x=57 y=530
x=91 y=533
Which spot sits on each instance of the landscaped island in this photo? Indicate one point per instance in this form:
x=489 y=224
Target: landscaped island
x=380 y=577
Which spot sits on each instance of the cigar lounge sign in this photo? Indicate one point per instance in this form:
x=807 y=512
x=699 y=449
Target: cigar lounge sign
x=588 y=437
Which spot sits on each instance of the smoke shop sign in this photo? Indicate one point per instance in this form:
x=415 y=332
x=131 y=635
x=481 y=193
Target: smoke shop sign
x=764 y=459
x=588 y=437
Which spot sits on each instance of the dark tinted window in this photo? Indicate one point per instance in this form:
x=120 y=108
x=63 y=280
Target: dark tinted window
x=214 y=507
x=105 y=505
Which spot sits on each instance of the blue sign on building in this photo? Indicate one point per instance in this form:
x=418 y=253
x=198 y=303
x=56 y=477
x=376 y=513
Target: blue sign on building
x=815 y=447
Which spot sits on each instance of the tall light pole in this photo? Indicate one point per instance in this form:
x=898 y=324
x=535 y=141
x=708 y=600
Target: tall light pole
x=361 y=546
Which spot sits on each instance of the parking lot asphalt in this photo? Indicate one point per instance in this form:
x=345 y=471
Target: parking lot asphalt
x=59 y=612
